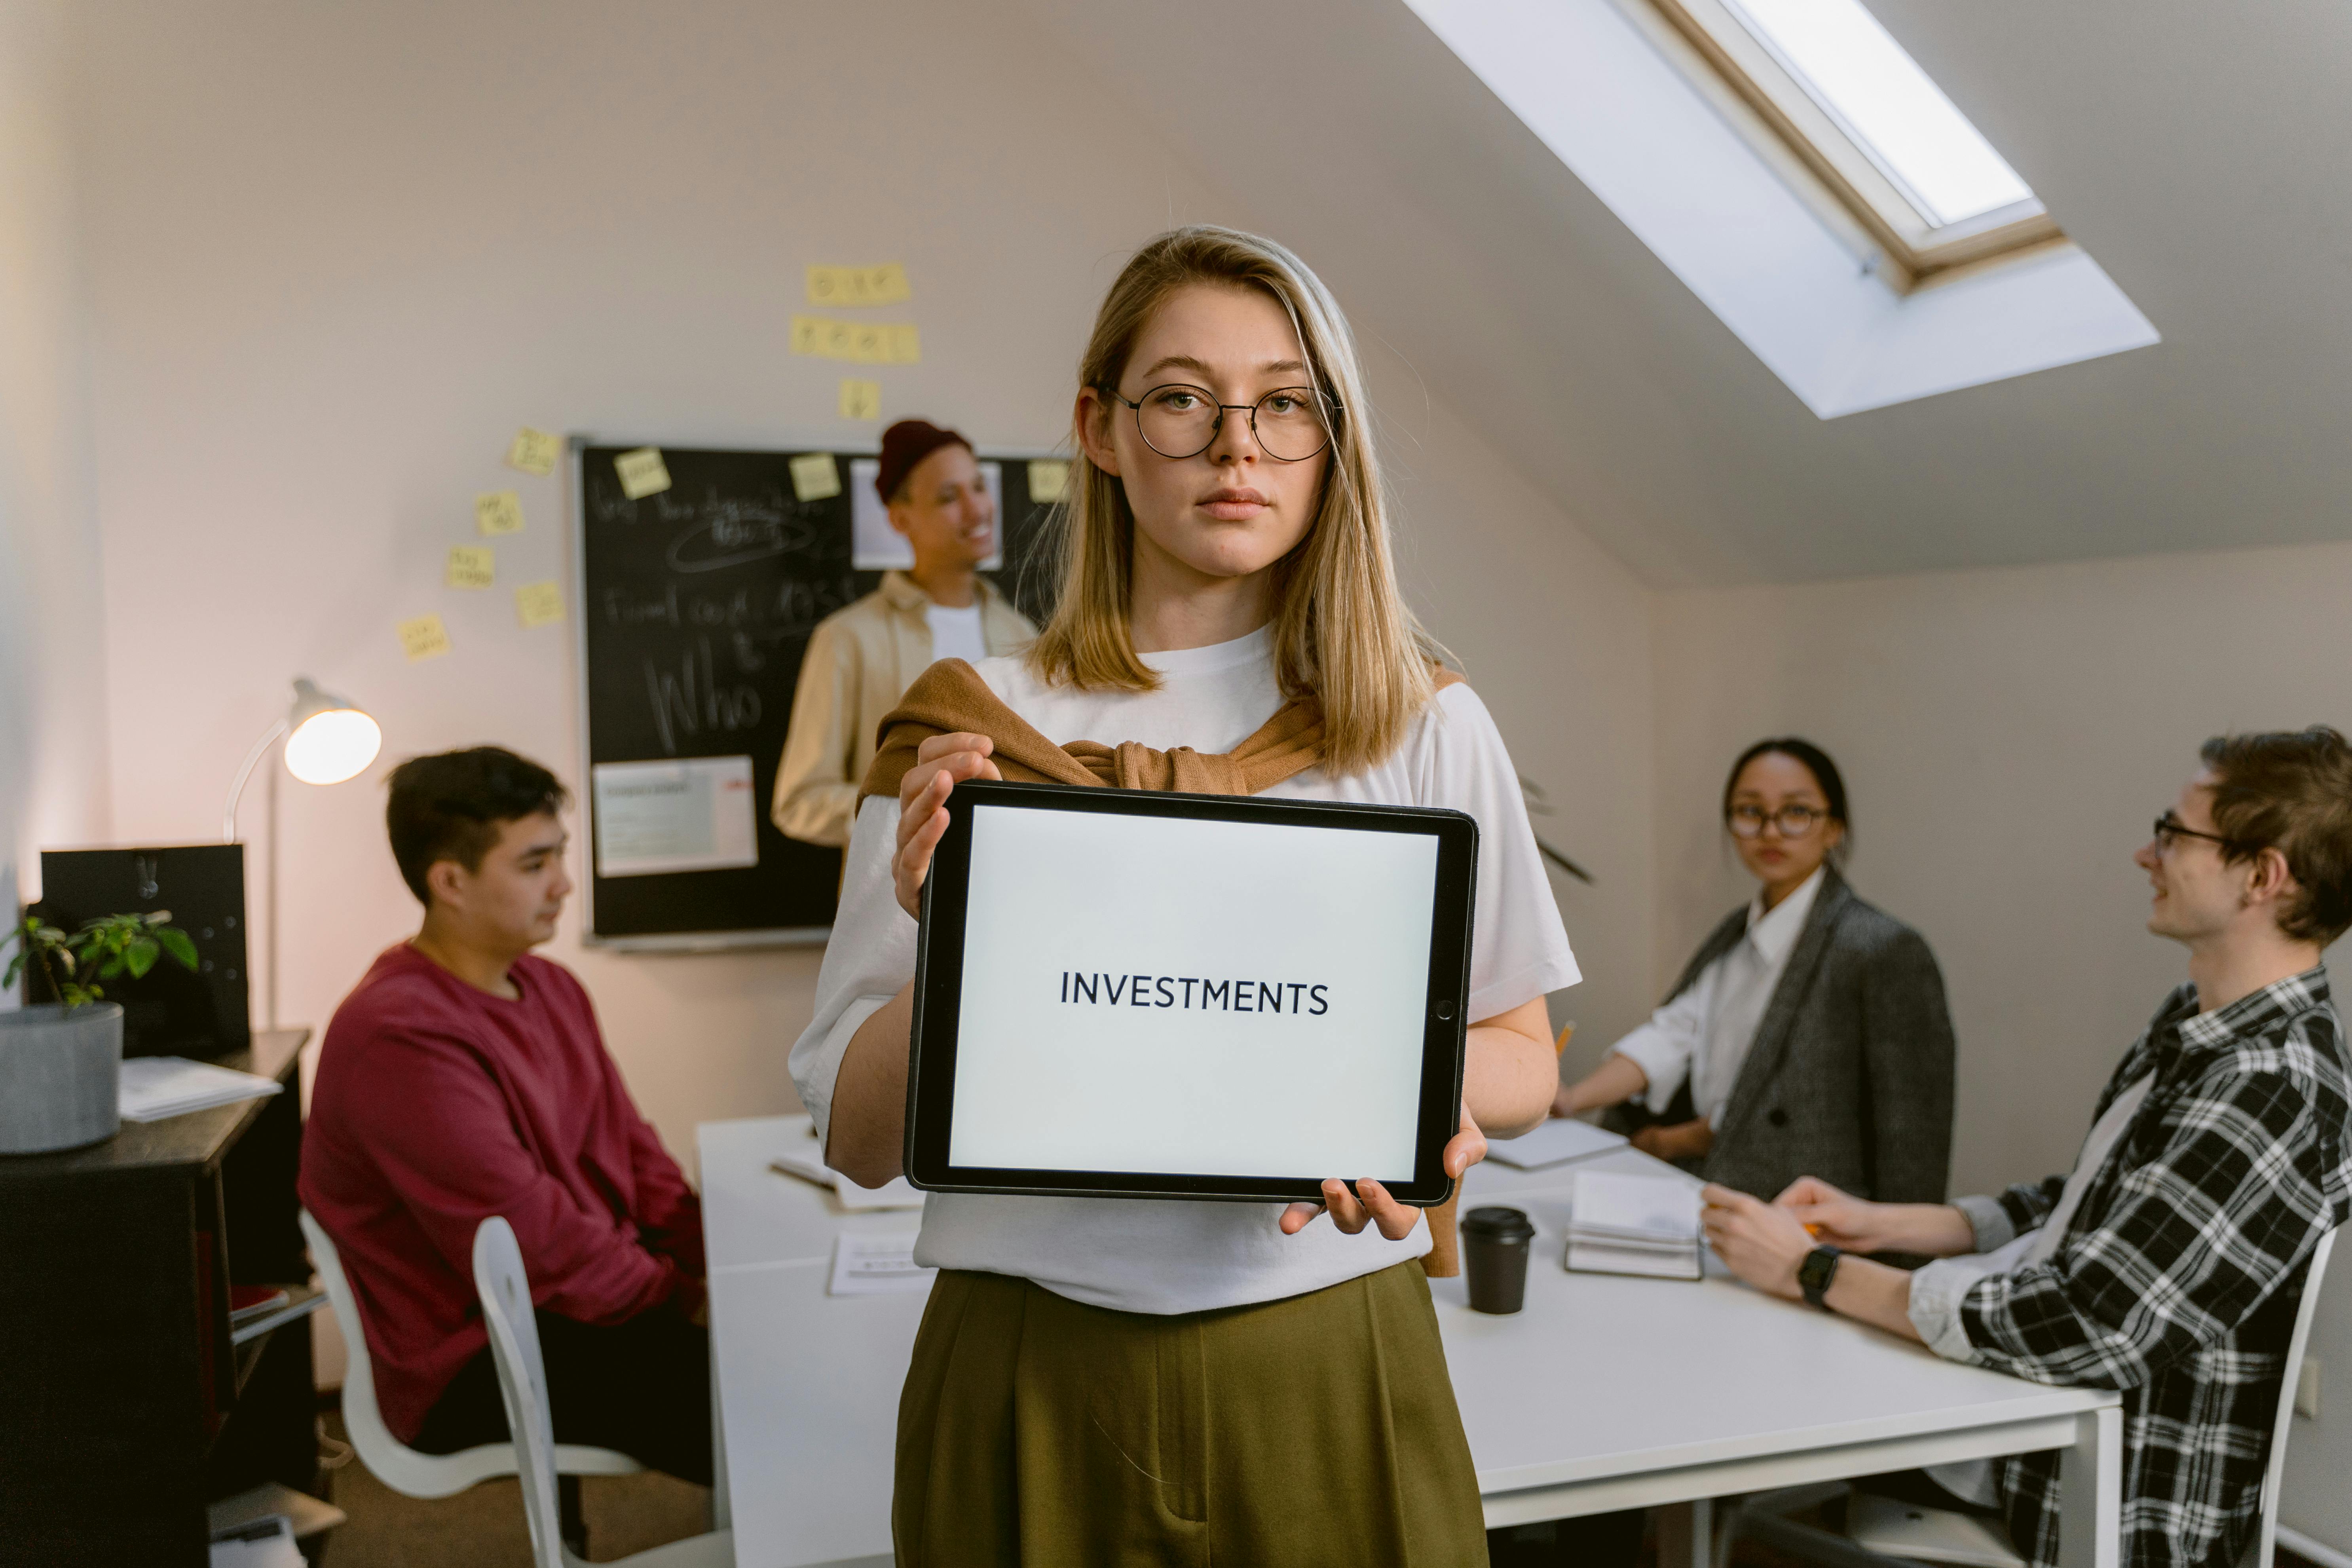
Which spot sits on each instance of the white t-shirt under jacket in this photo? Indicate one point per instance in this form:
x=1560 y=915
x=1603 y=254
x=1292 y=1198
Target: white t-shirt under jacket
x=1148 y=1255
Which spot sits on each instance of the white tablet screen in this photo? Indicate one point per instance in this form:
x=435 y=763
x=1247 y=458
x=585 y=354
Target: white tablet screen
x=1149 y=994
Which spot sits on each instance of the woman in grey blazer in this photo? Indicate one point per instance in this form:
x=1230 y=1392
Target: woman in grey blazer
x=1808 y=1032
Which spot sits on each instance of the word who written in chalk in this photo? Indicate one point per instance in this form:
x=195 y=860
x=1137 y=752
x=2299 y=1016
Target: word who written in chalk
x=1186 y=991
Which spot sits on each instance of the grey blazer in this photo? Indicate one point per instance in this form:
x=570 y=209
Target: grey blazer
x=1850 y=1075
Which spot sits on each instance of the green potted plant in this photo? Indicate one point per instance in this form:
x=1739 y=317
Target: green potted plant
x=61 y=1063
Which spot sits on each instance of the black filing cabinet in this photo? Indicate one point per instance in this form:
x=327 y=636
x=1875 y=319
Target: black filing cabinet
x=124 y=1405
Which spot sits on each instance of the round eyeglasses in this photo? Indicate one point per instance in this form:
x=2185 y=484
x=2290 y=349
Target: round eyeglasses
x=1291 y=423
x=1793 y=821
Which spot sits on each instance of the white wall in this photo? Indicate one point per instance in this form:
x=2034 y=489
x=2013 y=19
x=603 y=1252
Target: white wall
x=2006 y=737
x=339 y=254
x=53 y=648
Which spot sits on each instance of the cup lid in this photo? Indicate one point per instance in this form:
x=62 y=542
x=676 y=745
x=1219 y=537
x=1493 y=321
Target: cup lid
x=1497 y=1222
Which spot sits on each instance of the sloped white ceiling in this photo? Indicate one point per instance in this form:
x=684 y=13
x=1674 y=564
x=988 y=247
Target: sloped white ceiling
x=2197 y=152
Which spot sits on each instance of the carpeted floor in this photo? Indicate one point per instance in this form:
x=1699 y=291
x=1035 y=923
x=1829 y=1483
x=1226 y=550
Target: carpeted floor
x=483 y=1527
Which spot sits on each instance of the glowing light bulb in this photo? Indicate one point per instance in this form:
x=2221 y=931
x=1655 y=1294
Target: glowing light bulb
x=331 y=745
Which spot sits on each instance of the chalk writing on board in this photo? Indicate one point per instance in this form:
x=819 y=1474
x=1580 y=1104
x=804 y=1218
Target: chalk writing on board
x=733 y=532
x=688 y=701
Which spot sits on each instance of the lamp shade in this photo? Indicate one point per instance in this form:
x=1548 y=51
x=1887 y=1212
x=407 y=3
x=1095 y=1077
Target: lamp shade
x=327 y=740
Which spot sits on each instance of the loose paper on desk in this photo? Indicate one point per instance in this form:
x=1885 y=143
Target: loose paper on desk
x=642 y=473
x=424 y=637
x=1556 y=1141
x=470 y=566
x=497 y=513
x=815 y=476
x=152 y=1088
x=691 y=815
x=534 y=451
x=808 y=1164
x=539 y=603
x=866 y=1263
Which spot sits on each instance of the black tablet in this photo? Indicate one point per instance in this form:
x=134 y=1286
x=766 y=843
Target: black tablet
x=1127 y=993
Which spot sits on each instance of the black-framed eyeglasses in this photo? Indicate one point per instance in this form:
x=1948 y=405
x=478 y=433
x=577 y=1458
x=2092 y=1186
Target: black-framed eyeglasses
x=1291 y=424
x=1793 y=821
x=2171 y=830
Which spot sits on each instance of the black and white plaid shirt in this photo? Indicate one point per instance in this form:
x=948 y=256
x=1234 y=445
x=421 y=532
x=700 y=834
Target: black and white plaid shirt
x=2178 y=1279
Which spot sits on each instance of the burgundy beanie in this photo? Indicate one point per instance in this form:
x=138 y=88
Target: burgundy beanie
x=904 y=445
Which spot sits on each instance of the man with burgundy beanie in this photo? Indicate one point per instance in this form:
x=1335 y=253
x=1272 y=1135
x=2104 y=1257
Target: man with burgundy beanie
x=465 y=1077
x=861 y=659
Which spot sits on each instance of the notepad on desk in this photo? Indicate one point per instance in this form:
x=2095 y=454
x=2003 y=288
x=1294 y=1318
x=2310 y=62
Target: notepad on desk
x=807 y=1162
x=1625 y=1223
x=1555 y=1142
x=154 y=1088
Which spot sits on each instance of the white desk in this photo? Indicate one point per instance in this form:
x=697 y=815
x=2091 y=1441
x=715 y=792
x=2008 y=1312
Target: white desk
x=1605 y=1392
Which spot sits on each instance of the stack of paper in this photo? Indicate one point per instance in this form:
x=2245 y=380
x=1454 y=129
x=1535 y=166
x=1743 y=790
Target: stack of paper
x=156 y=1087
x=1623 y=1224
x=871 y=1263
x=807 y=1162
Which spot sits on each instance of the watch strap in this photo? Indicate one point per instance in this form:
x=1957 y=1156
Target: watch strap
x=1814 y=1274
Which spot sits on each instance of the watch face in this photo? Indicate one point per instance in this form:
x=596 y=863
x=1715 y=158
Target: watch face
x=1814 y=1273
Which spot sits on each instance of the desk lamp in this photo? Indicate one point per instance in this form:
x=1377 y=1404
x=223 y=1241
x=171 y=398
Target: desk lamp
x=327 y=740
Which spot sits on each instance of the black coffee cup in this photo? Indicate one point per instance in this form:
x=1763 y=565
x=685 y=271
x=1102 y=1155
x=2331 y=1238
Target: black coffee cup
x=1494 y=1247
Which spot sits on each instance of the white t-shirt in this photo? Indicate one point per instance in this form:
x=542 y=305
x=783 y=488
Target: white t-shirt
x=1704 y=1033
x=1147 y=1255
x=955 y=634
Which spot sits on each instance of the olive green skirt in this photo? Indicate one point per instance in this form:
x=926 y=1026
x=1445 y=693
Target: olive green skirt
x=1320 y=1429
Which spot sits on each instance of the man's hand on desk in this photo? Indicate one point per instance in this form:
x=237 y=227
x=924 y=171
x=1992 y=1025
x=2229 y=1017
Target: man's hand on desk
x=1682 y=1141
x=1758 y=1241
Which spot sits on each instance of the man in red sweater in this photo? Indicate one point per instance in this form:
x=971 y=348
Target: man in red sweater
x=464 y=1078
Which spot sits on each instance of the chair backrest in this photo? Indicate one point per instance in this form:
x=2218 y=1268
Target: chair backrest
x=522 y=1382
x=361 y=1417
x=2265 y=1543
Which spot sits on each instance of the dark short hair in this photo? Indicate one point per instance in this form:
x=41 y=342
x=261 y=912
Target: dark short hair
x=2291 y=790
x=450 y=806
x=1817 y=762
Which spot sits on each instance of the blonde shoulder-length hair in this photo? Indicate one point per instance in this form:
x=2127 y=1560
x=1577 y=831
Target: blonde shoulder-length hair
x=1341 y=630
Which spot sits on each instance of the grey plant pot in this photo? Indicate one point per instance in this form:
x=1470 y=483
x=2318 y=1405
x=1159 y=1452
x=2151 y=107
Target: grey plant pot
x=60 y=1077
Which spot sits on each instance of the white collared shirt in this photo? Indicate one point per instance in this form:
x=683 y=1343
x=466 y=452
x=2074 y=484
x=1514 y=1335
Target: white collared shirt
x=1703 y=1034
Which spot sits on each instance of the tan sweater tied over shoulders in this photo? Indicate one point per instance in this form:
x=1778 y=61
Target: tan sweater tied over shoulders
x=950 y=698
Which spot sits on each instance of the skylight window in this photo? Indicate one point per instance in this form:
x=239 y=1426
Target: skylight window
x=1892 y=150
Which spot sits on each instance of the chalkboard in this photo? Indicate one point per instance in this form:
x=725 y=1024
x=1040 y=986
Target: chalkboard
x=695 y=605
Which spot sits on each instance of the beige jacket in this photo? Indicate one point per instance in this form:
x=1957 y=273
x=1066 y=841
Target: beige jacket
x=860 y=661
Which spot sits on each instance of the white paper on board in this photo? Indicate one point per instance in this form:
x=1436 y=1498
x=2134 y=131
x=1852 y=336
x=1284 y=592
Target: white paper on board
x=695 y=814
x=876 y=546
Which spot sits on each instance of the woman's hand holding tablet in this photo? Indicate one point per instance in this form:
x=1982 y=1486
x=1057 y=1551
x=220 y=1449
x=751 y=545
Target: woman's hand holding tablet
x=923 y=807
x=1370 y=1202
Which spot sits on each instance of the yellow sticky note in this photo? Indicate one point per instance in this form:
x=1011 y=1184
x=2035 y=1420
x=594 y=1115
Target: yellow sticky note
x=643 y=472
x=469 y=566
x=861 y=342
x=539 y=603
x=1048 y=478
x=883 y=285
x=815 y=476
x=498 y=512
x=424 y=637
x=861 y=399
x=534 y=452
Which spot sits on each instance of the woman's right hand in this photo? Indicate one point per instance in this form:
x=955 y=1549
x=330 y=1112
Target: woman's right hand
x=1840 y=1219
x=940 y=763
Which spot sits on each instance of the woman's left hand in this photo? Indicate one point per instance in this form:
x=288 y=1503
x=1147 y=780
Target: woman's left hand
x=1758 y=1241
x=1369 y=1200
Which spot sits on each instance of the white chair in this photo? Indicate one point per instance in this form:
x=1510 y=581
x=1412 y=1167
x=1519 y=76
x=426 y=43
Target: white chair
x=522 y=1381
x=1884 y=1533
x=394 y=1462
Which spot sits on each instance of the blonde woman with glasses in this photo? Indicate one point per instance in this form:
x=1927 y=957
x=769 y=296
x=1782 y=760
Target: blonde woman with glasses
x=1106 y=1381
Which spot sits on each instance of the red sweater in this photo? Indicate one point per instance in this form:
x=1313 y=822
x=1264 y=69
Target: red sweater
x=436 y=1105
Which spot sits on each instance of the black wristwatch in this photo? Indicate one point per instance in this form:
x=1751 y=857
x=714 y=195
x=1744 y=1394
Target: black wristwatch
x=1814 y=1274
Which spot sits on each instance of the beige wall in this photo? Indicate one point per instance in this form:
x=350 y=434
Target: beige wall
x=338 y=254
x=2006 y=737
x=53 y=655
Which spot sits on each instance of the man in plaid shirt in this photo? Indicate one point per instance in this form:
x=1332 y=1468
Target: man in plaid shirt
x=2169 y=1264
